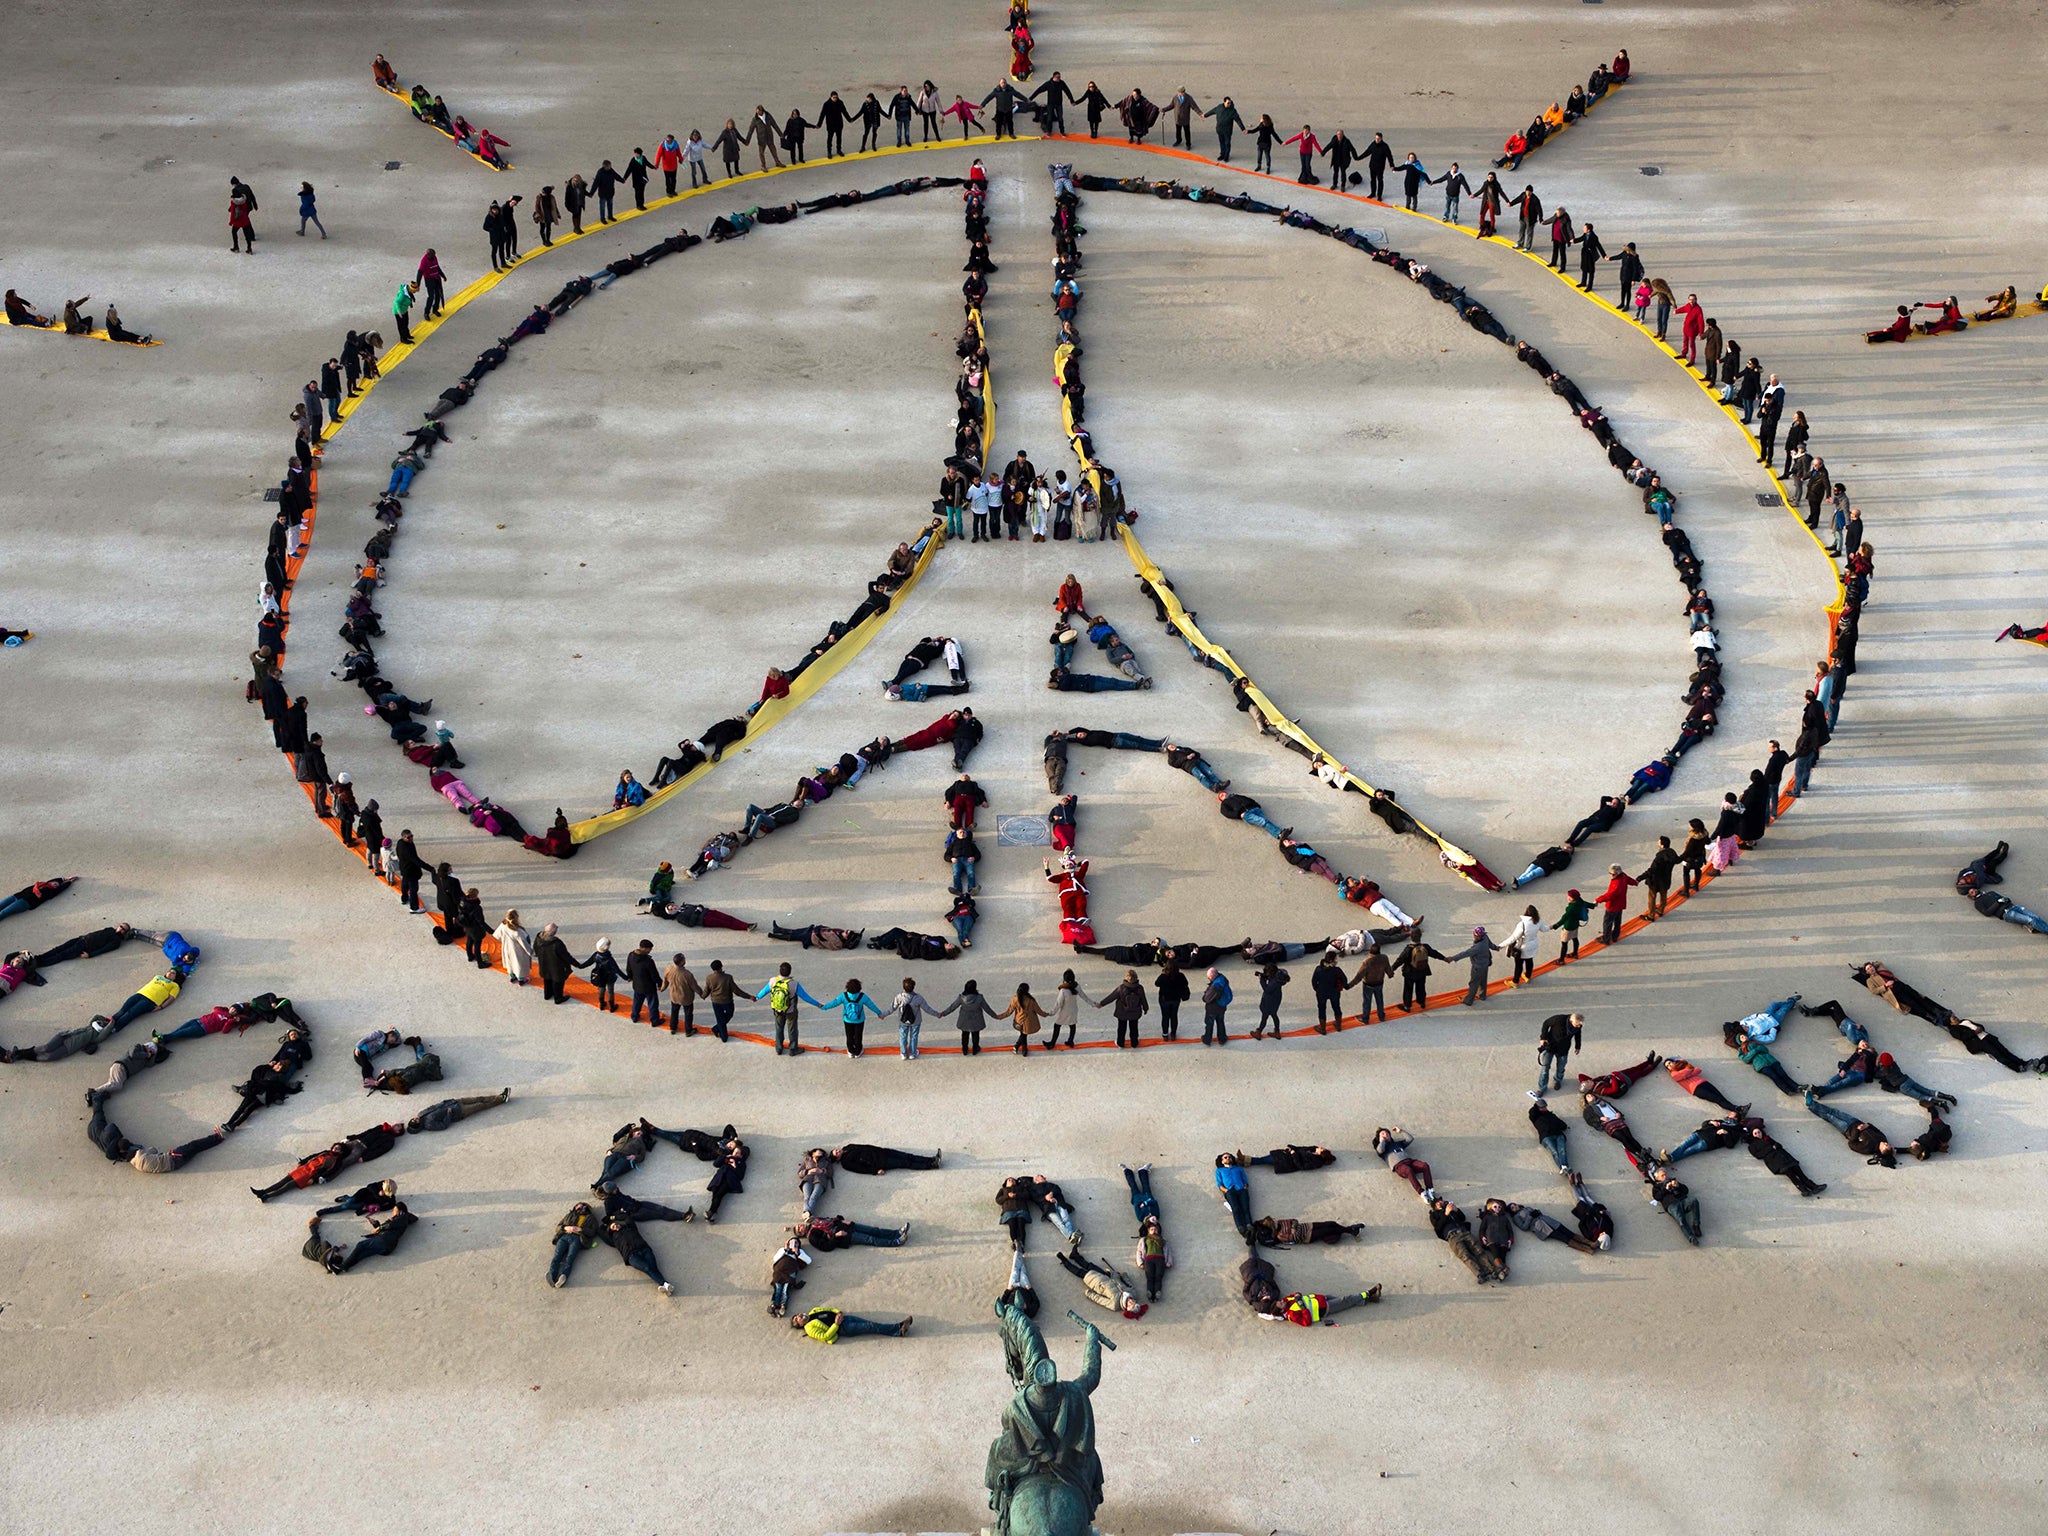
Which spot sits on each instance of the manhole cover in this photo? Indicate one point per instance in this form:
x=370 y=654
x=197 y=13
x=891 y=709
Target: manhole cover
x=392 y=165
x=275 y=493
x=1651 y=170
x=1765 y=499
x=1023 y=832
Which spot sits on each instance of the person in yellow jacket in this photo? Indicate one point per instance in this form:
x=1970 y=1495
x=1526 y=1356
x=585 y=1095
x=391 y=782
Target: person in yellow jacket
x=158 y=992
x=828 y=1325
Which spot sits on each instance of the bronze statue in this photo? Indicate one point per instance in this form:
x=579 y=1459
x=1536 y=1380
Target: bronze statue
x=1044 y=1478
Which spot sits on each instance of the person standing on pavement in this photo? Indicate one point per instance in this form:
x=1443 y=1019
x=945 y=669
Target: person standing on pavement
x=1455 y=186
x=1630 y=272
x=308 y=210
x=638 y=169
x=401 y=309
x=668 y=157
x=1183 y=107
x=575 y=194
x=766 y=134
x=606 y=185
x=241 y=204
x=432 y=276
x=546 y=215
x=1771 y=406
x=1378 y=156
x=1479 y=955
x=1228 y=119
x=645 y=981
x=1310 y=148
x=1590 y=253
x=494 y=226
x=1556 y=1038
x=902 y=107
x=1614 y=903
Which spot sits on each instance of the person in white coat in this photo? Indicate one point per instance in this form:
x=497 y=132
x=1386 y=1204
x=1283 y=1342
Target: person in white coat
x=1523 y=942
x=515 y=948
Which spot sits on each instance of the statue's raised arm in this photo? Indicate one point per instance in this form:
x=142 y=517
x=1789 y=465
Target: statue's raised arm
x=1091 y=1362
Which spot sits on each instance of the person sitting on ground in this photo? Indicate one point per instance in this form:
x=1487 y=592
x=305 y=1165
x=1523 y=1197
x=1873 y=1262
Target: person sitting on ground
x=2004 y=305
x=1899 y=330
x=1948 y=316
x=20 y=313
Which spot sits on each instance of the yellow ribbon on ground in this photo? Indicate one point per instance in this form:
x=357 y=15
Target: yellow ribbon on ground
x=775 y=711
x=988 y=391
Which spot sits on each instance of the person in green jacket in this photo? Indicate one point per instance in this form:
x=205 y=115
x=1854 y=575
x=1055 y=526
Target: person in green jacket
x=1576 y=911
x=1227 y=119
x=401 y=309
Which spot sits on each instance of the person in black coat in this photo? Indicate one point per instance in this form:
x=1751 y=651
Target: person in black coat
x=1171 y=988
x=605 y=184
x=832 y=117
x=410 y=868
x=1590 y=253
x=1378 y=156
x=644 y=976
x=1631 y=273
x=1756 y=809
x=554 y=962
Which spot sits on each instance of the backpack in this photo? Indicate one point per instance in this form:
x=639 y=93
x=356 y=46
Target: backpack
x=781 y=994
x=908 y=1014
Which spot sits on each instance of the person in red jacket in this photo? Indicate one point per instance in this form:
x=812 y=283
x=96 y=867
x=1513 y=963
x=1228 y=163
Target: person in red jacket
x=1614 y=901
x=1618 y=72
x=1310 y=148
x=1693 y=321
x=668 y=158
x=1898 y=330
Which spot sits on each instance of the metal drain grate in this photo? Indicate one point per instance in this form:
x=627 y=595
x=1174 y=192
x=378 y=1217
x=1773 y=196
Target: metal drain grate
x=1651 y=170
x=275 y=493
x=1765 y=499
x=392 y=165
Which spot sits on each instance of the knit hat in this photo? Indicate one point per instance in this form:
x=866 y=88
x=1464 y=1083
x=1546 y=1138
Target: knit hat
x=344 y=779
x=1884 y=1059
x=1478 y=933
x=604 y=944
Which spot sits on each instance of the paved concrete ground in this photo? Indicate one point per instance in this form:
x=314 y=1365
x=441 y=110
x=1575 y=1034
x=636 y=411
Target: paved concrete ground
x=1486 y=625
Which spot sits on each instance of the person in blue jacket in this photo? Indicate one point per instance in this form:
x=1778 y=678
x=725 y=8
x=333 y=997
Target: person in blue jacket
x=1215 y=1003
x=854 y=1006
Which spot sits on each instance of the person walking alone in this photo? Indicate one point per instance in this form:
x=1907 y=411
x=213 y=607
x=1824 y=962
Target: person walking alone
x=308 y=210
